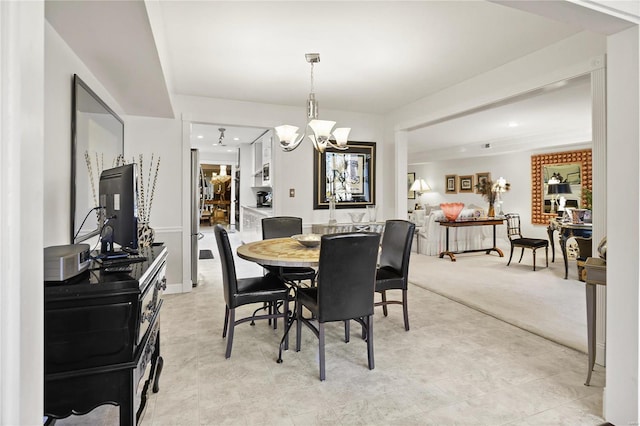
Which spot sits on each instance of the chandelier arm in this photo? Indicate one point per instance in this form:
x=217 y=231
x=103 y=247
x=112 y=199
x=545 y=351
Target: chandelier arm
x=290 y=147
x=336 y=146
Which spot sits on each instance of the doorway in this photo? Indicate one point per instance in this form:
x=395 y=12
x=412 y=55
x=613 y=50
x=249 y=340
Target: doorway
x=216 y=194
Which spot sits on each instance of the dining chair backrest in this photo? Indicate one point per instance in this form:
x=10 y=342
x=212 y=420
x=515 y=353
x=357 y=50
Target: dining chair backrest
x=229 y=278
x=281 y=227
x=513 y=226
x=396 y=245
x=347 y=275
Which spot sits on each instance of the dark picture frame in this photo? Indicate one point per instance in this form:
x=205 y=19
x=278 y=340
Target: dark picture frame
x=480 y=178
x=411 y=177
x=466 y=183
x=451 y=184
x=348 y=174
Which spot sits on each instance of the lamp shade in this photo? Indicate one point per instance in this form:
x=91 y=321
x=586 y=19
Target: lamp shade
x=419 y=185
x=559 y=188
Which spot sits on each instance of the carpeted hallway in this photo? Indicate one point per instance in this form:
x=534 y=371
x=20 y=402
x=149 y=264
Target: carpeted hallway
x=540 y=301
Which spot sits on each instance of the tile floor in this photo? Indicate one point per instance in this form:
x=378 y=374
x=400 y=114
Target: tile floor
x=456 y=366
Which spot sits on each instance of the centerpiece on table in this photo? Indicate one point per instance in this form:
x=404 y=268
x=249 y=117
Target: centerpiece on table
x=491 y=192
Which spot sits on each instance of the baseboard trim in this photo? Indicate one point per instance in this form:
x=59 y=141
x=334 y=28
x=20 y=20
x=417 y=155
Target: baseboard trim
x=173 y=288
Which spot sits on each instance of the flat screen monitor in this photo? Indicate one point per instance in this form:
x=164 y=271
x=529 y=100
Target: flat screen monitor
x=118 y=189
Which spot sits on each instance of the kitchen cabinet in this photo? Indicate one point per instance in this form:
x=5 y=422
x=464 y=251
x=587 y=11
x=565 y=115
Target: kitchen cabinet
x=252 y=223
x=262 y=161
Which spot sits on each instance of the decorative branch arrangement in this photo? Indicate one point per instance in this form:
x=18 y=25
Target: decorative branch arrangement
x=145 y=200
x=491 y=190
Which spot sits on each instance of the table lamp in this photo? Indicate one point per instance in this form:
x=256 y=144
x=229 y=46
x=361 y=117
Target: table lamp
x=555 y=188
x=420 y=187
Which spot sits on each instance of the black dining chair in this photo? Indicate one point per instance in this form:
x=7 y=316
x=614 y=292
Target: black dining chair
x=393 y=269
x=517 y=240
x=286 y=226
x=344 y=291
x=268 y=289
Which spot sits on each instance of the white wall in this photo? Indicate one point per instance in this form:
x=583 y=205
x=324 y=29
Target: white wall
x=162 y=138
x=623 y=270
x=292 y=169
x=60 y=65
x=21 y=213
x=514 y=167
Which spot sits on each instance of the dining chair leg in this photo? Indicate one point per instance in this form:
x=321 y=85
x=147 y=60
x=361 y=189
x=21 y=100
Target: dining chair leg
x=347 y=330
x=298 y=325
x=321 y=350
x=370 y=358
x=546 y=254
x=232 y=324
x=405 y=309
x=534 y=259
x=521 y=254
x=285 y=308
x=510 y=256
x=384 y=302
x=226 y=321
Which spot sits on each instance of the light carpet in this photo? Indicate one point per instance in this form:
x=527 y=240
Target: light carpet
x=540 y=301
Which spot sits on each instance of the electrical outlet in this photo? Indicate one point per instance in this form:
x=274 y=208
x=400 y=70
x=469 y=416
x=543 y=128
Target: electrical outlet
x=292 y=192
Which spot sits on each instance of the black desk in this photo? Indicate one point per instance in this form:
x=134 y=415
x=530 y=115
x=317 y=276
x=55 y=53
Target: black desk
x=101 y=334
x=566 y=231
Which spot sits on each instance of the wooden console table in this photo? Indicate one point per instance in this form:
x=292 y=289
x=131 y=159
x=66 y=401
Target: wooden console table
x=476 y=222
x=566 y=231
x=596 y=274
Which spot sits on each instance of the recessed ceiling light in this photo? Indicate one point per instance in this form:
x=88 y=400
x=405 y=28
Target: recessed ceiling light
x=230 y=150
x=513 y=124
x=236 y=139
x=200 y=136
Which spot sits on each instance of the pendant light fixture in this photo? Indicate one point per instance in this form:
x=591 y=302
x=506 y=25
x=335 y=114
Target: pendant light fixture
x=321 y=133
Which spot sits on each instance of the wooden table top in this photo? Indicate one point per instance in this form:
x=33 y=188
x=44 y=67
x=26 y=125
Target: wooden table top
x=473 y=222
x=279 y=252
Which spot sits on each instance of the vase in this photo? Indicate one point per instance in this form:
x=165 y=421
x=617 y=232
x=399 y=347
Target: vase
x=146 y=235
x=492 y=212
x=332 y=210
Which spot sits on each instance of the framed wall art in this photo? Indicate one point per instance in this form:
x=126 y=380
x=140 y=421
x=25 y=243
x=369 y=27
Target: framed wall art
x=450 y=184
x=411 y=177
x=466 y=183
x=481 y=178
x=348 y=175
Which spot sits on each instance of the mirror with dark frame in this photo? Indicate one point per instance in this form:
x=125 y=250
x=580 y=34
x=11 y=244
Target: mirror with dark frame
x=97 y=143
x=347 y=175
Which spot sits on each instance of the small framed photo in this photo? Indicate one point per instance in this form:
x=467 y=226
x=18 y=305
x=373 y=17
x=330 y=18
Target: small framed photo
x=466 y=183
x=450 y=184
x=480 y=179
x=411 y=177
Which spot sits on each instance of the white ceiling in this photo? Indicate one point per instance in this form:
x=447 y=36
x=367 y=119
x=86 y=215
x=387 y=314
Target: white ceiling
x=375 y=56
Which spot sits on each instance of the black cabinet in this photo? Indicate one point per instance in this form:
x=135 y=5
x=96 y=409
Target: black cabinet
x=102 y=333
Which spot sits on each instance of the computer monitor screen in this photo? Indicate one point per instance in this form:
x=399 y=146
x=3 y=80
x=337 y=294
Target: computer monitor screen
x=118 y=189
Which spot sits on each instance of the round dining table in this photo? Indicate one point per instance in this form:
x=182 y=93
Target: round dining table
x=280 y=252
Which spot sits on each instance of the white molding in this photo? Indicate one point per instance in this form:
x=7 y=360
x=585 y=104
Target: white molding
x=599 y=187
x=21 y=215
x=168 y=229
x=175 y=288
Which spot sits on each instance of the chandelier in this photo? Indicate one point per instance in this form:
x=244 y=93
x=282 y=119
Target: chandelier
x=321 y=134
